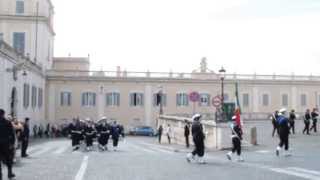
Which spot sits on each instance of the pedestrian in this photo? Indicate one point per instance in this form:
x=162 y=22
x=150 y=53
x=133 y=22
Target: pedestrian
x=75 y=132
x=40 y=131
x=35 y=129
x=292 y=118
x=25 y=138
x=168 y=133
x=274 y=123
x=198 y=140
x=89 y=135
x=314 y=116
x=160 y=130
x=283 y=124
x=104 y=131
x=7 y=140
x=236 y=140
x=115 y=132
x=307 y=118
x=47 y=131
x=187 y=133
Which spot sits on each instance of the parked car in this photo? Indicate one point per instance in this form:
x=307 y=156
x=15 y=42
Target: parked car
x=142 y=131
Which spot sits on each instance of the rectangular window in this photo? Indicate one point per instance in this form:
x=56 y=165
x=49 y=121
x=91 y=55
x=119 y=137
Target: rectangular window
x=182 y=99
x=113 y=99
x=204 y=99
x=19 y=6
x=89 y=99
x=245 y=100
x=34 y=97
x=136 y=99
x=285 y=100
x=40 y=97
x=19 y=42
x=157 y=99
x=65 y=99
x=26 y=95
x=265 y=100
x=303 y=99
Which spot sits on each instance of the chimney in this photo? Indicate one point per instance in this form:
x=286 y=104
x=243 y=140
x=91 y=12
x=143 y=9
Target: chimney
x=118 y=71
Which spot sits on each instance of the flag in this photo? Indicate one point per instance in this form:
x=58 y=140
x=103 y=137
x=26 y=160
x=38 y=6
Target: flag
x=237 y=112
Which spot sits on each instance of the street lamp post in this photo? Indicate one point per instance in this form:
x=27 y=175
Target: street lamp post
x=222 y=72
x=160 y=103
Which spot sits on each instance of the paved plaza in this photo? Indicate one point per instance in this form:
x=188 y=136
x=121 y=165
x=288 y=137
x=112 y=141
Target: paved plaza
x=142 y=158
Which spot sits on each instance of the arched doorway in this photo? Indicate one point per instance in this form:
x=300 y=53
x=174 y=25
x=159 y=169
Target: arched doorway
x=13 y=102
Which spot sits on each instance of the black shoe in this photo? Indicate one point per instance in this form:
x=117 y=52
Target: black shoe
x=24 y=155
x=11 y=175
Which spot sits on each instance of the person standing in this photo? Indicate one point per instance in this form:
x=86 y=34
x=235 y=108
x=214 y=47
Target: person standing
x=25 y=138
x=35 y=128
x=314 y=116
x=115 y=132
x=168 y=133
x=160 y=131
x=236 y=140
x=7 y=140
x=187 y=133
x=198 y=139
x=307 y=118
x=283 y=132
x=292 y=118
x=274 y=123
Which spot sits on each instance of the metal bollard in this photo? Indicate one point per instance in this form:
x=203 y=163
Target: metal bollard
x=254 y=140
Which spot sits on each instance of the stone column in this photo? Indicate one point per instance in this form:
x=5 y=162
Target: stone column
x=148 y=105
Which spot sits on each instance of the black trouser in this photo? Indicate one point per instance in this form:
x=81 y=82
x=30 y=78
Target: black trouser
x=24 y=146
x=103 y=139
x=187 y=140
x=169 y=138
x=159 y=138
x=6 y=156
x=236 y=142
x=89 y=140
x=291 y=123
x=314 y=125
x=306 y=127
x=284 y=140
x=199 y=148
x=275 y=129
x=115 y=141
x=75 y=140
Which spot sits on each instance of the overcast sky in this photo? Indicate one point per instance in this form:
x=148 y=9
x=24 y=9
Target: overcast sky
x=244 y=36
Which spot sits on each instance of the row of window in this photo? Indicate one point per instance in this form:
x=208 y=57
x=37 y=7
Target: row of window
x=136 y=99
x=182 y=99
x=36 y=96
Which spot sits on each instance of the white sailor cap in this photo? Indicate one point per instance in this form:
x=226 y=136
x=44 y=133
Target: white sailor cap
x=104 y=118
x=234 y=117
x=283 y=110
x=196 y=117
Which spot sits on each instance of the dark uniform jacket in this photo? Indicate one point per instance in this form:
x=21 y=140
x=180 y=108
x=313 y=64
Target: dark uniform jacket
x=26 y=132
x=186 y=130
x=7 y=135
x=197 y=131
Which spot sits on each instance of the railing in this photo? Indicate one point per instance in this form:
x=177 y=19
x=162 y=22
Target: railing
x=174 y=75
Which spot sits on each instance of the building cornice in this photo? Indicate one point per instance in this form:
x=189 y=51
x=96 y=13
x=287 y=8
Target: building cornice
x=182 y=81
x=43 y=19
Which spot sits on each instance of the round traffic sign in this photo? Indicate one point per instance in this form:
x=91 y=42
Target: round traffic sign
x=194 y=96
x=216 y=101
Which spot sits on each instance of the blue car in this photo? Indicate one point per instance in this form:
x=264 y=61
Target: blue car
x=142 y=131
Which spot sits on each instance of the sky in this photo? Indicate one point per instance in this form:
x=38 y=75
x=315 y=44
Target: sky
x=243 y=36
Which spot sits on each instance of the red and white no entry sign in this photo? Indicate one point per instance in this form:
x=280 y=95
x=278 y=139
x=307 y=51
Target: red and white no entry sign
x=216 y=101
